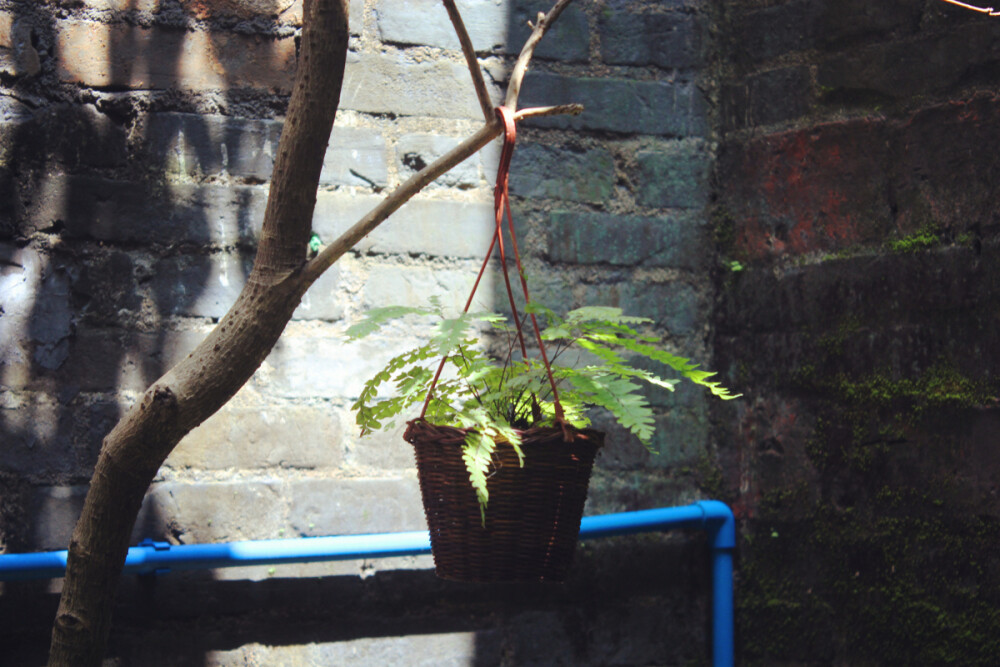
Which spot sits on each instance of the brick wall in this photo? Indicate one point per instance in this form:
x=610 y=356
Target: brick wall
x=136 y=144
x=856 y=179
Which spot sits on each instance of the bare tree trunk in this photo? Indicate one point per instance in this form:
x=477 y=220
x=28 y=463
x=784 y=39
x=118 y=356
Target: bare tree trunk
x=202 y=383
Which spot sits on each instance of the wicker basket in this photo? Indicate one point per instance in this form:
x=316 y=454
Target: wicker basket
x=533 y=515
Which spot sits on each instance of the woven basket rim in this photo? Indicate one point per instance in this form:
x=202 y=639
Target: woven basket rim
x=453 y=435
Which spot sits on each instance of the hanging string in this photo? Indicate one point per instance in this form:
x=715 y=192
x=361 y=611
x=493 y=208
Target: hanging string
x=975 y=8
x=503 y=196
x=501 y=204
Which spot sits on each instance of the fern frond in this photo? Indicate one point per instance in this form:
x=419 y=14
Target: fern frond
x=477 y=453
x=603 y=315
x=619 y=396
x=376 y=317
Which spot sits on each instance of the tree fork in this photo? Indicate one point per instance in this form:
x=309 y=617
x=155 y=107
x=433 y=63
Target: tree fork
x=203 y=382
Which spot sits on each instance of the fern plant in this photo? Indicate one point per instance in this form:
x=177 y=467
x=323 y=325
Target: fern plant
x=494 y=397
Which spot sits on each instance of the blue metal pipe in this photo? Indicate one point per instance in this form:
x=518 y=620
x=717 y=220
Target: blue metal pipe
x=150 y=557
x=720 y=524
x=717 y=520
x=712 y=516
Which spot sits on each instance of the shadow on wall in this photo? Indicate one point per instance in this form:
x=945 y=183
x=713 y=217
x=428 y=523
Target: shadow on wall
x=603 y=615
x=132 y=227
x=101 y=250
x=108 y=237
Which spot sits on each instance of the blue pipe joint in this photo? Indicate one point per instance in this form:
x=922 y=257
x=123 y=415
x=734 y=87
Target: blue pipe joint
x=720 y=524
x=146 y=546
x=157 y=546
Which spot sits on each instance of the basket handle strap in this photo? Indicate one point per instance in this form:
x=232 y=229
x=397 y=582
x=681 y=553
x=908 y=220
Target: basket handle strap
x=501 y=203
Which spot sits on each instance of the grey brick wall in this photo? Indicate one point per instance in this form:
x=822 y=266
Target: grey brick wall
x=136 y=143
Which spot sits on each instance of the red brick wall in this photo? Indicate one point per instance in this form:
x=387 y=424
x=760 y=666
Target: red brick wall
x=856 y=188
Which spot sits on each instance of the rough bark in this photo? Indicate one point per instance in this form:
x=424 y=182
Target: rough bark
x=203 y=382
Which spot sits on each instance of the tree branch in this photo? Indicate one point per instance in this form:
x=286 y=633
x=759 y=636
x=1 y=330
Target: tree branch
x=199 y=385
x=470 y=59
x=521 y=66
x=331 y=253
x=397 y=198
x=558 y=110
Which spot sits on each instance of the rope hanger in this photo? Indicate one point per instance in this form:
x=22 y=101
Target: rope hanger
x=501 y=206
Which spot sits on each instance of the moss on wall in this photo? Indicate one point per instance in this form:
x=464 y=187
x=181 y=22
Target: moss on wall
x=901 y=579
x=891 y=561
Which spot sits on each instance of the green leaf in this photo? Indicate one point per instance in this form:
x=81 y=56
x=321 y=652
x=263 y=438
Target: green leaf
x=449 y=334
x=621 y=398
x=604 y=315
x=315 y=243
x=602 y=351
x=416 y=379
x=477 y=453
x=376 y=317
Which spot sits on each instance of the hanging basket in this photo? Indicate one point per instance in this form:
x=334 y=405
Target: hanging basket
x=532 y=519
x=533 y=516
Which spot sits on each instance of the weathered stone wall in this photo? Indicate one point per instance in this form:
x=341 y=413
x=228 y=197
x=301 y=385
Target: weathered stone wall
x=856 y=186
x=136 y=144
